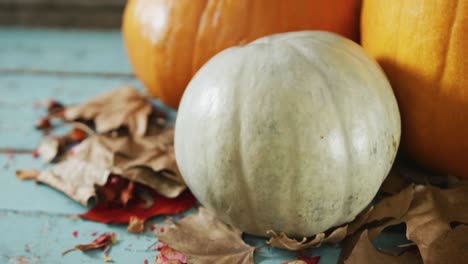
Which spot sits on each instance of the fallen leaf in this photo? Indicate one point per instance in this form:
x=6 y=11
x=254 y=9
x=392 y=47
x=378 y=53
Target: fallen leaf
x=281 y=240
x=147 y=160
x=168 y=255
x=104 y=241
x=388 y=210
x=431 y=213
x=161 y=205
x=124 y=106
x=43 y=124
x=429 y=217
x=76 y=178
x=451 y=247
x=202 y=238
x=30 y=174
x=136 y=225
x=364 y=252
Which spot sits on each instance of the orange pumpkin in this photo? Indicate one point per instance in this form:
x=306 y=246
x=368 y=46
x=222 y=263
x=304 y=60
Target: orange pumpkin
x=167 y=41
x=423 y=48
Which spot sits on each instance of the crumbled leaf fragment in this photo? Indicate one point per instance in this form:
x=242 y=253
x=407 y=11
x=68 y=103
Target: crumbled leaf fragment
x=136 y=225
x=101 y=242
x=43 y=124
x=202 y=238
x=29 y=174
x=168 y=255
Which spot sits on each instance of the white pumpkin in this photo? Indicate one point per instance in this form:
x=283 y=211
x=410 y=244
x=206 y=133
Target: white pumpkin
x=293 y=132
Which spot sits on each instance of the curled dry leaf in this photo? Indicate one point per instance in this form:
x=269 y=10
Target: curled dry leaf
x=124 y=106
x=202 y=238
x=429 y=218
x=283 y=241
x=104 y=242
x=53 y=147
x=147 y=160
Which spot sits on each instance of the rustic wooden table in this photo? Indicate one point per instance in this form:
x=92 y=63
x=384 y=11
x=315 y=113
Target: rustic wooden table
x=37 y=222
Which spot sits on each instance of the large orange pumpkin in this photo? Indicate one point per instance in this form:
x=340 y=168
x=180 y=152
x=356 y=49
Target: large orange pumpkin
x=423 y=48
x=167 y=41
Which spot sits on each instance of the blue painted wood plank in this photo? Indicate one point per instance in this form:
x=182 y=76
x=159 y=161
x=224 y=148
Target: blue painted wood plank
x=19 y=93
x=70 y=50
x=41 y=238
x=45 y=236
x=27 y=195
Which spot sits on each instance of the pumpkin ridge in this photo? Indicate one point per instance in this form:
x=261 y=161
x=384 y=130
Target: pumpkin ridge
x=241 y=150
x=439 y=78
x=196 y=36
x=336 y=111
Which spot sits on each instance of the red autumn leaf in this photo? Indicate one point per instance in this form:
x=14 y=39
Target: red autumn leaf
x=160 y=205
x=311 y=260
x=304 y=260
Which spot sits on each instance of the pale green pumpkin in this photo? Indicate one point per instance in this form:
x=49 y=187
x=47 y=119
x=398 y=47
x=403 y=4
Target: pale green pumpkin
x=293 y=132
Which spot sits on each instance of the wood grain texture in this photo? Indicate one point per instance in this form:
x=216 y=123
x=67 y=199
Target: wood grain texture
x=59 y=50
x=62 y=13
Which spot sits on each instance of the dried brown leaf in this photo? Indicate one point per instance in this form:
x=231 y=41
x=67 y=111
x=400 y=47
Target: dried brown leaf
x=76 y=178
x=281 y=240
x=147 y=160
x=451 y=247
x=124 y=106
x=431 y=213
x=388 y=209
x=364 y=252
x=136 y=225
x=205 y=239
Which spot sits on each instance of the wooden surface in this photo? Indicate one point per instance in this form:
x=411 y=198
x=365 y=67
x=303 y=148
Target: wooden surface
x=62 y=13
x=37 y=222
